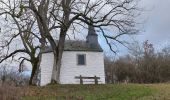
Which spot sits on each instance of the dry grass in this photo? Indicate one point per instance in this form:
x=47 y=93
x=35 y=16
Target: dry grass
x=11 y=92
x=87 y=92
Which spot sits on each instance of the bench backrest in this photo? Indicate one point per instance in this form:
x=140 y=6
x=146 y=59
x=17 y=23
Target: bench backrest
x=78 y=77
x=82 y=77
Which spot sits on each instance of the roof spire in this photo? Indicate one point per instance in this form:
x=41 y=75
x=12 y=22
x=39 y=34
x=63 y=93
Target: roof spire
x=92 y=37
x=91 y=30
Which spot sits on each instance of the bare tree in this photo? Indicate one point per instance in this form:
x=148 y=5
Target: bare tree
x=64 y=15
x=22 y=26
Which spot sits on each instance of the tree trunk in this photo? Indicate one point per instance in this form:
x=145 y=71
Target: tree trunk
x=58 y=57
x=36 y=78
x=34 y=70
x=43 y=24
x=36 y=65
x=58 y=52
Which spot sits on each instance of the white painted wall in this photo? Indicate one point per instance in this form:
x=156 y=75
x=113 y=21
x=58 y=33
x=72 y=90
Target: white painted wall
x=69 y=69
x=46 y=68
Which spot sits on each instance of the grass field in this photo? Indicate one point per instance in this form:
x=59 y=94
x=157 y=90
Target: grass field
x=99 y=92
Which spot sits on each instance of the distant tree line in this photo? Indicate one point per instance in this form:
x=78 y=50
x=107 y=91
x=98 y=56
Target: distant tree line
x=141 y=65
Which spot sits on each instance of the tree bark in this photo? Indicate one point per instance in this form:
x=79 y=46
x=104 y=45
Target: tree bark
x=35 y=61
x=36 y=78
x=58 y=52
x=58 y=57
x=34 y=70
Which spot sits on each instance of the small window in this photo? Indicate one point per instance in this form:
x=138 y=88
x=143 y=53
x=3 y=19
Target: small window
x=81 y=59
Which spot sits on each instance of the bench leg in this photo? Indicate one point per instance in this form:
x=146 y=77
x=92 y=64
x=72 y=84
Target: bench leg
x=95 y=79
x=81 y=80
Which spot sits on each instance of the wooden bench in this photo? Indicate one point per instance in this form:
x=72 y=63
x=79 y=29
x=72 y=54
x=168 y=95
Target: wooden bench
x=82 y=77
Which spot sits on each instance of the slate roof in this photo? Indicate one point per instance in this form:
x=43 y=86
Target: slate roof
x=71 y=45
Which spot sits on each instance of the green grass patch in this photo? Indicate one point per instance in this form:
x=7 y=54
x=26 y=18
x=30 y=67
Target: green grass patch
x=90 y=92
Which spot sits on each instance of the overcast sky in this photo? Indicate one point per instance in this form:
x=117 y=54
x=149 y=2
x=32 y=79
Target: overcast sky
x=155 y=25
